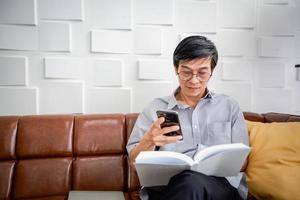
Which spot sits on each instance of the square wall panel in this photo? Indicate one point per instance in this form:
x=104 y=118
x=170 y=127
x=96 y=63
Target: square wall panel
x=276 y=46
x=297 y=44
x=277 y=20
x=108 y=72
x=13 y=70
x=235 y=43
x=270 y=74
x=61 y=97
x=55 y=36
x=18 y=12
x=144 y=92
x=109 y=14
x=18 y=101
x=273 y=100
x=107 y=41
x=147 y=40
x=154 y=12
x=155 y=69
x=276 y=1
x=60 y=67
x=195 y=16
x=61 y=9
x=236 y=71
x=236 y=13
x=108 y=100
x=13 y=37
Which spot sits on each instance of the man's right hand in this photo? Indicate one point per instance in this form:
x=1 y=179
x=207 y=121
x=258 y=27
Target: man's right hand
x=155 y=136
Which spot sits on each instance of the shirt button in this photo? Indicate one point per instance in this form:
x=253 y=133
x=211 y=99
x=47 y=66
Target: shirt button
x=195 y=126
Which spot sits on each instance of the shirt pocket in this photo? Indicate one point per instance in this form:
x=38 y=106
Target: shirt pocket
x=219 y=133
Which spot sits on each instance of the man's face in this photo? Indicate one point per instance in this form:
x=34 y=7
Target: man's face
x=193 y=76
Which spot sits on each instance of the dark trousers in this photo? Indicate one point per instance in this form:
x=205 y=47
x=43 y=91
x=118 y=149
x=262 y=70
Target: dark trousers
x=190 y=185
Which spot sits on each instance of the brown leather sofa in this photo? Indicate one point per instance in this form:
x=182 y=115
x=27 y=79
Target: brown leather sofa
x=45 y=156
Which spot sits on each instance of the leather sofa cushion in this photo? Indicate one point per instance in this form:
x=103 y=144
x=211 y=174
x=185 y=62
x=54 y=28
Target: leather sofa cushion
x=6 y=173
x=45 y=136
x=99 y=173
x=8 y=132
x=99 y=134
x=42 y=177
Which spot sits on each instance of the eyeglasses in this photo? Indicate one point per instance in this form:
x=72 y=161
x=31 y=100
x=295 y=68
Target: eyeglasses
x=188 y=75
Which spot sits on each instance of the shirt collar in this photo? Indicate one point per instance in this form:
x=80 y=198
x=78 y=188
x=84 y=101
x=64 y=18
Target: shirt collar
x=172 y=102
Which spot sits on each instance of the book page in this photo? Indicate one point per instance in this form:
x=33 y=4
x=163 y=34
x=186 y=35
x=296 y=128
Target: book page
x=222 y=160
x=213 y=150
x=164 y=158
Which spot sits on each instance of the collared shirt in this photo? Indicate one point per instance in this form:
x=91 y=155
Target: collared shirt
x=216 y=119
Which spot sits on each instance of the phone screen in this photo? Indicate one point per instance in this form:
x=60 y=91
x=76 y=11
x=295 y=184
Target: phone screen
x=171 y=119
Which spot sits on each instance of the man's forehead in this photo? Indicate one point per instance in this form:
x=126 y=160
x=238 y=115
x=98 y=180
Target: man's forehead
x=198 y=63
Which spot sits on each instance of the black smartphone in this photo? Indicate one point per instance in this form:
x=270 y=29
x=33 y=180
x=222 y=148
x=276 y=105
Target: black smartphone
x=171 y=119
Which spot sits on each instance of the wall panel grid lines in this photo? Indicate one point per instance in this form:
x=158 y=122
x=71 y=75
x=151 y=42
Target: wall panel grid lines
x=102 y=56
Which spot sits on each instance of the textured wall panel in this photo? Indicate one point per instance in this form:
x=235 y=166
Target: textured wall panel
x=111 y=41
x=277 y=20
x=270 y=74
x=297 y=43
x=108 y=73
x=237 y=13
x=154 y=12
x=155 y=69
x=195 y=16
x=112 y=14
x=234 y=43
x=147 y=40
x=273 y=100
x=13 y=70
x=276 y=46
x=13 y=37
x=108 y=100
x=61 y=97
x=18 y=12
x=276 y=1
x=236 y=71
x=61 y=9
x=144 y=92
x=55 y=36
x=59 y=67
x=18 y=101
x=296 y=97
x=212 y=37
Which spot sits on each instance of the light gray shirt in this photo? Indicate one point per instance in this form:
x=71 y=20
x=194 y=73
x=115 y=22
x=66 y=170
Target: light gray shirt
x=216 y=119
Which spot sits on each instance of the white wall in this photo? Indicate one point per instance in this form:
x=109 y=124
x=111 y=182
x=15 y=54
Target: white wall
x=111 y=56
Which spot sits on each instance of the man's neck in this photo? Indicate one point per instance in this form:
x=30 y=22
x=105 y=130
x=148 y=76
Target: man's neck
x=191 y=101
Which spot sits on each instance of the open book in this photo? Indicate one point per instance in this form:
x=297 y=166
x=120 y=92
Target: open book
x=157 y=167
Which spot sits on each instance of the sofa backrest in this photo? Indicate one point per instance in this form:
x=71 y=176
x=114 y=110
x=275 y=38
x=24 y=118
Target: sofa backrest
x=50 y=155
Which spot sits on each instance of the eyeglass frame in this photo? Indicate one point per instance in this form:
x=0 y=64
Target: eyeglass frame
x=197 y=76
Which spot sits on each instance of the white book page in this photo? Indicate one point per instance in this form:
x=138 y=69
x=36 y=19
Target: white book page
x=164 y=158
x=213 y=150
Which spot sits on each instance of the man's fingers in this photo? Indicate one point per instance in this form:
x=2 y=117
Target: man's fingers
x=162 y=139
x=169 y=129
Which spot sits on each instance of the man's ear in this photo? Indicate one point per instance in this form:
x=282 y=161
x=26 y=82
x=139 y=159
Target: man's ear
x=175 y=69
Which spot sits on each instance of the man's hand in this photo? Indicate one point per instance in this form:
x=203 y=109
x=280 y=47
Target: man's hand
x=155 y=136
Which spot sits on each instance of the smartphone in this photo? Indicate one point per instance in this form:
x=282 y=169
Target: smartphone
x=171 y=119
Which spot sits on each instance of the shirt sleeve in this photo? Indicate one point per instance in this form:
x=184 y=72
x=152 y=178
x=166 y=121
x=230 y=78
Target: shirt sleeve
x=239 y=132
x=142 y=124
